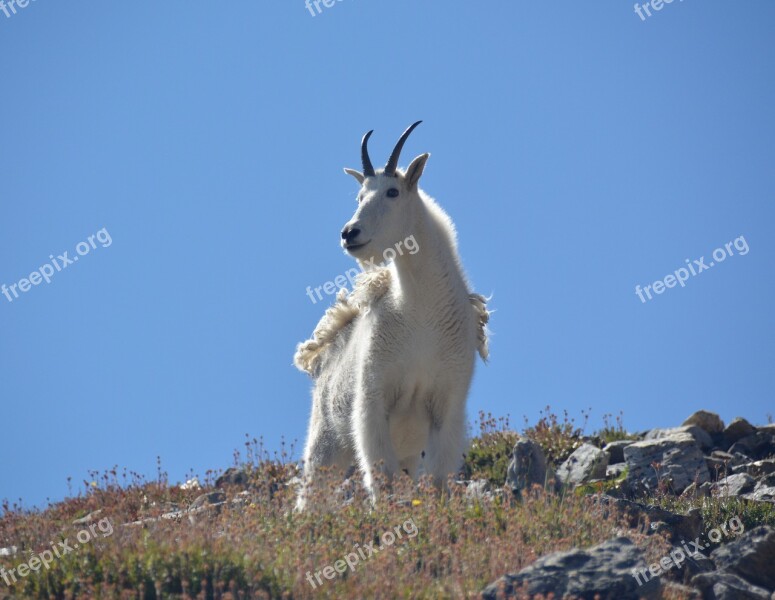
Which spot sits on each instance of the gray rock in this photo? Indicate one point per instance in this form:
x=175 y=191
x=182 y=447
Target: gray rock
x=762 y=493
x=478 y=489
x=586 y=463
x=751 y=556
x=757 y=446
x=737 y=459
x=722 y=463
x=693 y=565
x=681 y=527
x=614 y=471
x=737 y=430
x=233 y=477
x=698 y=491
x=88 y=519
x=735 y=485
x=727 y=586
x=758 y=468
x=528 y=467
x=145 y=523
x=766 y=480
x=704 y=441
x=679 y=458
x=211 y=499
x=604 y=572
x=10 y=551
x=244 y=498
x=615 y=450
x=707 y=421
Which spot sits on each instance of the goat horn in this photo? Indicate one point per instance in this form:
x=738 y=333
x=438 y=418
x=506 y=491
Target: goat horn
x=392 y=163
x=368 y=168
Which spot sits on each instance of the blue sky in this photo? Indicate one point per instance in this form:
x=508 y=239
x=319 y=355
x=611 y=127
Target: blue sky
x=580 y=151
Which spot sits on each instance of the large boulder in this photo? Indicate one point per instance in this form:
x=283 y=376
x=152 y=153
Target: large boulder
x=750 y=556
x=735 y=485
x=586 y=463
x=763 y=492
x=737 y=430
x=707 y=421
x=676 y=460
x=702 y=437
x=679 y=527
x=528 y=467
x=604 y=572
x=234 y=477
x=758 y=468
x=757 y=446
x=727 y=586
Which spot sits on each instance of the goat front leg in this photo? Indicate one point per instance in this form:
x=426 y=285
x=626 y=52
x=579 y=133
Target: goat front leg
x=373 y=444
x=447 y=442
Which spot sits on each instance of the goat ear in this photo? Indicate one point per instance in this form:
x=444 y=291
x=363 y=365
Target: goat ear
x=357 y=174
x=414 y=172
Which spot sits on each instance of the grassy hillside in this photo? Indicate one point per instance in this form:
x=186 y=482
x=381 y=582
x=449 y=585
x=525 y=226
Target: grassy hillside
x=242 y=539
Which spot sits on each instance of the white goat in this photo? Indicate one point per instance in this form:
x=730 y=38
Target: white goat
x=393 y=360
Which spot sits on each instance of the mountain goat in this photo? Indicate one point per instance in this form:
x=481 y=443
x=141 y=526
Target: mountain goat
x=392 y=360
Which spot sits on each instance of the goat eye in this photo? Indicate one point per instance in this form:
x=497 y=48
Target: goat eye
x=392 y=193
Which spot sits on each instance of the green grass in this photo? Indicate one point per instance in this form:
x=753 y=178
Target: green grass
x=717 y=511
x=601 y=487
x=557 y=437
x=489 y=454
x=613 y=431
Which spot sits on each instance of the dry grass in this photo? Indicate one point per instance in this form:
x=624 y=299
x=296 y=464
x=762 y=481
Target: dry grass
x=261 y=549
x=254 y=546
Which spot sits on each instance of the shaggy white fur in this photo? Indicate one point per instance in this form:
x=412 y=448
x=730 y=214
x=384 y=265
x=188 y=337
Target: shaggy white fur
x=369 y=287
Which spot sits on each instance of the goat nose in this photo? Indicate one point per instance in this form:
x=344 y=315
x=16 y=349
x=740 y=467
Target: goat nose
x=350 y=233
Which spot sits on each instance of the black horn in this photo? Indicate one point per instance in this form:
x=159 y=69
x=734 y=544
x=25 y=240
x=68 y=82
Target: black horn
x=392 y=163
x=368 y=168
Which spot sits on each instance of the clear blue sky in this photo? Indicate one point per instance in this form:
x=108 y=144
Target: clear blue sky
x=580 y=151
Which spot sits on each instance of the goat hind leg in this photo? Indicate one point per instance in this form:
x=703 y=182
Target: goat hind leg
x=322 y=450
x=446 y=444
x=409 y=466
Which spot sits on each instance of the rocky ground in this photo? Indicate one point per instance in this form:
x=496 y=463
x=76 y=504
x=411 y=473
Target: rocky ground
x=703 y=458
